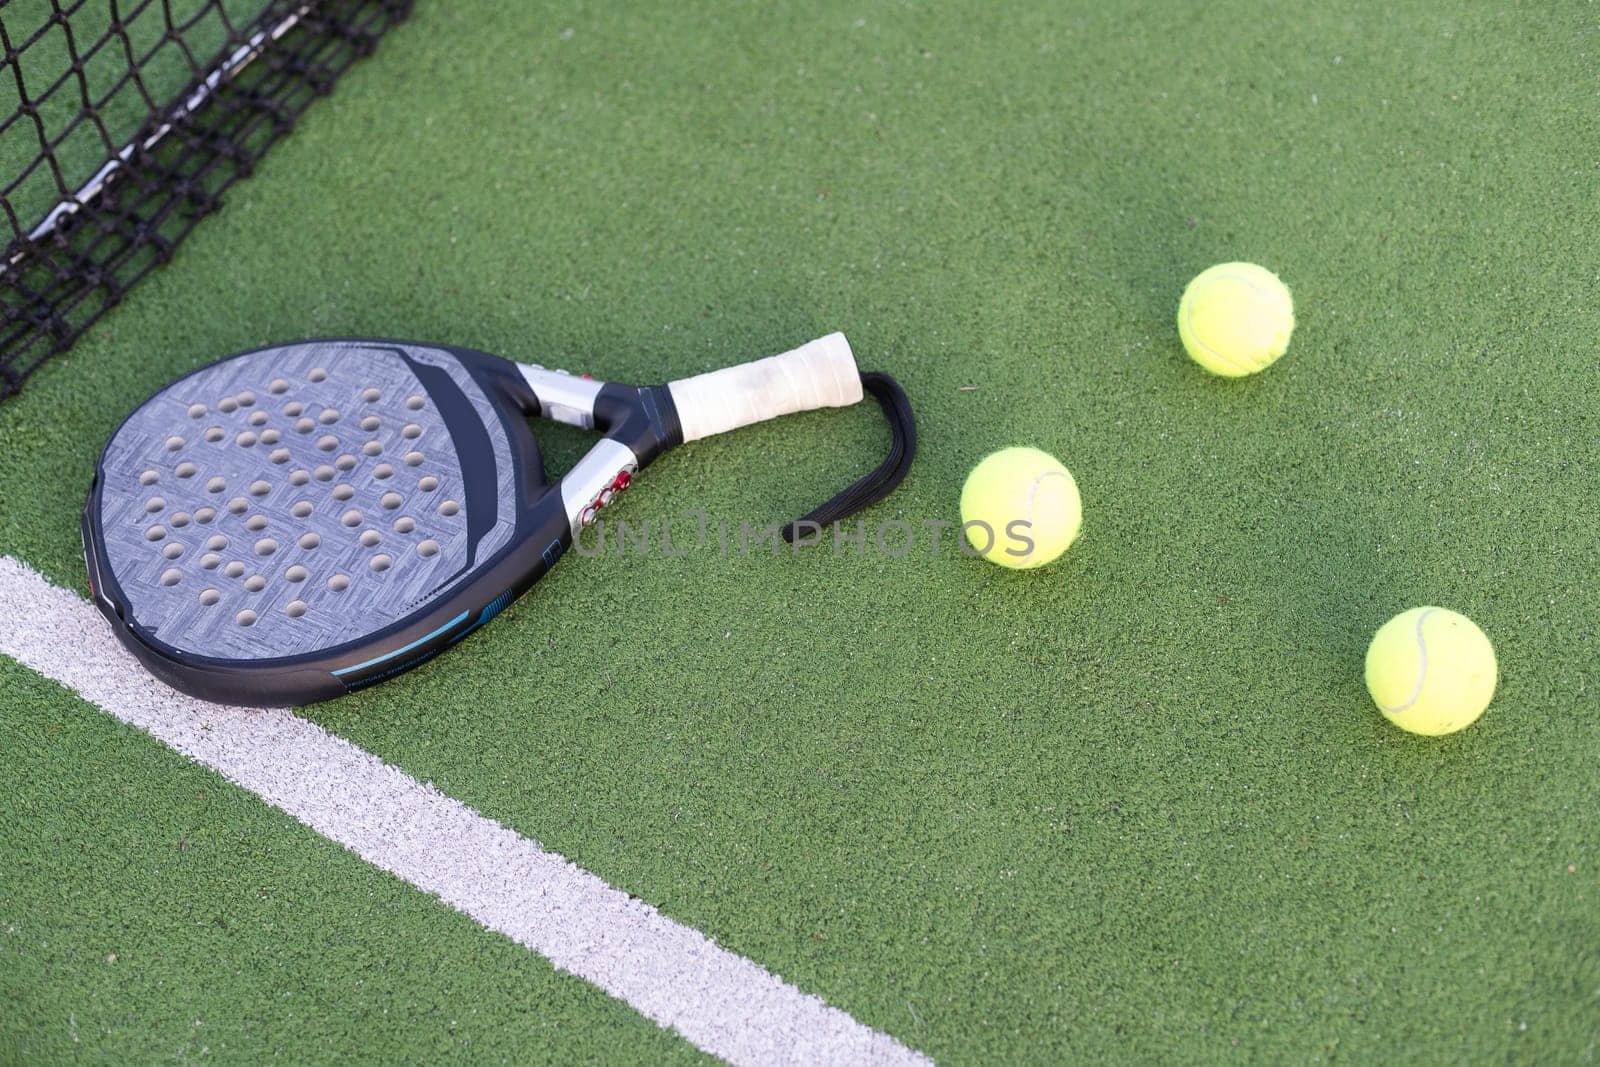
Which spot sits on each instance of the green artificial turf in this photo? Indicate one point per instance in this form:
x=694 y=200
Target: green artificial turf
x=151 y=912
x=1133 y=807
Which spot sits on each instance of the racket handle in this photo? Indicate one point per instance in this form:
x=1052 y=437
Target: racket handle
x=821 y=374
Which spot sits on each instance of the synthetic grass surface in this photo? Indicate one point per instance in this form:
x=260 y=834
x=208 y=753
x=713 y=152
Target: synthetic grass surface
x=152 y=912
x=1134 y=806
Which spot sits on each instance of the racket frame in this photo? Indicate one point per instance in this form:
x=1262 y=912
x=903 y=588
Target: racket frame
x=637 y=424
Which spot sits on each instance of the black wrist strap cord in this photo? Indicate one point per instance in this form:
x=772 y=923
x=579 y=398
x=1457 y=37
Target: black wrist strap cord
x=883 y=479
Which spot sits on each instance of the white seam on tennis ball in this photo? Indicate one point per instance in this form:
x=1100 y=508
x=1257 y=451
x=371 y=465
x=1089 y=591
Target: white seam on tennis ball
x=1034 y=492
x=1422 y=668
x=1248 y=284
x=1032 y=495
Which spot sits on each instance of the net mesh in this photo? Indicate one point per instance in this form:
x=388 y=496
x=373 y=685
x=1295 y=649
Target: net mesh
x=124 y=121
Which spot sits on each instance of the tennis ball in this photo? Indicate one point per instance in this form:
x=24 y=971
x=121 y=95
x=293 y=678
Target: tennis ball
x=1020 y=508
x=1235 y=319
x=1431 y=671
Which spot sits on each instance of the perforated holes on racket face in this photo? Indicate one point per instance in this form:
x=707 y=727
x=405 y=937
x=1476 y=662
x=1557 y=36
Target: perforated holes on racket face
x=236 y=531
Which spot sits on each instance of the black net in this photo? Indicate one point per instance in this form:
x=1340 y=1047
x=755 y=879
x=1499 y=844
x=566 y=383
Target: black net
x=124 y=120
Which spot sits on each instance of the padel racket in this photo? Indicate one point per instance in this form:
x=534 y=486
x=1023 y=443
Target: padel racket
x=293 y=523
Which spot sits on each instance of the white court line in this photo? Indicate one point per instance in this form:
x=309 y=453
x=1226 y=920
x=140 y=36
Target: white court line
x=721 y=1002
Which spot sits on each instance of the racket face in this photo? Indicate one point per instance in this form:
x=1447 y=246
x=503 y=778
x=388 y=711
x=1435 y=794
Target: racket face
x=274 y=527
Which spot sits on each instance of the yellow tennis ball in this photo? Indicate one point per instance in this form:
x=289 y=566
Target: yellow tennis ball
x=1431 y=671
x=1020 y=508
x=1235 y=319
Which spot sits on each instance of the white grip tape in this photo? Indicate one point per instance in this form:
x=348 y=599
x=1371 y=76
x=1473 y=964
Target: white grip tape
x=821 y=374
